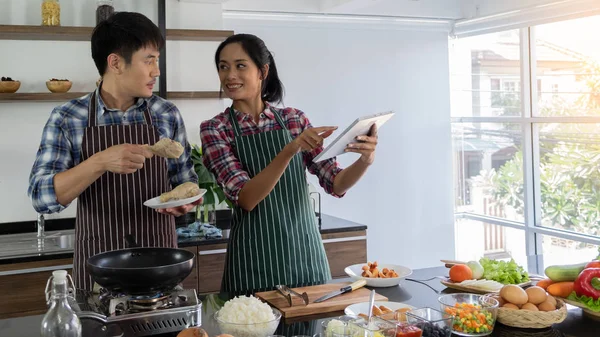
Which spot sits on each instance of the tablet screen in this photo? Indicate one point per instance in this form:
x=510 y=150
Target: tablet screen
x=359 y=127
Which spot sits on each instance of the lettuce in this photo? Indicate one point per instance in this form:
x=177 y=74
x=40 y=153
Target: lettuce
x=589 y=302
x=503 y=272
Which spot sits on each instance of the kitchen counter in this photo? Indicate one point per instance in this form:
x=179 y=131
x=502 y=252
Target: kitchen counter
x=408 y=292
x=26 y=247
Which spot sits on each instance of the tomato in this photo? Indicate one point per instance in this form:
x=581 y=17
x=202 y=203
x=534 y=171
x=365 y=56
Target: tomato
x=593 y=264
x=405 y=330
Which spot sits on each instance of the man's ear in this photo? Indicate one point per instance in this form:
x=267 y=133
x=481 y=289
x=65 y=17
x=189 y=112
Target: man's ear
x=115 y=63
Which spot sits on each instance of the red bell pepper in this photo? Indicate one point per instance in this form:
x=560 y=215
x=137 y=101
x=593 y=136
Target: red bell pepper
x=593 y=264
x=588 y=283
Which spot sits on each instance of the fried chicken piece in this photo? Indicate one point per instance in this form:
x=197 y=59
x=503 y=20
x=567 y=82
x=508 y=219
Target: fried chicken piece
x=183 y=191
x=167 y=148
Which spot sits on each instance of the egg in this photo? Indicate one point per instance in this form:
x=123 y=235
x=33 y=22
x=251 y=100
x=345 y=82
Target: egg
x=510 y=306
x=514 y=294
x=529 y=306
x=551 y=299
x=546 y=306
x=536 y=295
x=192 y=332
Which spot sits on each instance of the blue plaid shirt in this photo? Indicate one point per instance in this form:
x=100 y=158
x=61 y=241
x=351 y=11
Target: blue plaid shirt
x=60 y=147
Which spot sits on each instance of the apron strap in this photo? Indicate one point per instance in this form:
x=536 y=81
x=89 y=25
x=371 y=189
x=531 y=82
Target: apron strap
x=92 y=118
x=278 y=118
x=147 y=117
x=236 y=127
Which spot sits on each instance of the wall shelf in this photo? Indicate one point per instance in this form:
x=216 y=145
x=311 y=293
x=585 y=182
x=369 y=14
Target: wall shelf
x=51 y=33
x=52 y=97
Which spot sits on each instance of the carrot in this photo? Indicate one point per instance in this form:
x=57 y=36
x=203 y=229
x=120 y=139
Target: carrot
x=561 y=289
x=544 y=283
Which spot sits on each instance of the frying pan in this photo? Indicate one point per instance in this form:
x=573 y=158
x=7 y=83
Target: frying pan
x=140 y=271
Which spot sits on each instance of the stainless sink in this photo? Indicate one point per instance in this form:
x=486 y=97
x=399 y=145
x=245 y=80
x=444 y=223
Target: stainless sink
x=65 y=241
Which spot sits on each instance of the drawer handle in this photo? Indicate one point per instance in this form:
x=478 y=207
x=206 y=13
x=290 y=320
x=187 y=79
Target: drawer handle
x=212 y=252
x=352 y=238
x=35 y=270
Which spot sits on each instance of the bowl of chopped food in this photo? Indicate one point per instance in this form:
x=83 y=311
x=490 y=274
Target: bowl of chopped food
x=473 y=315
x=378 y=275
x=247 y=316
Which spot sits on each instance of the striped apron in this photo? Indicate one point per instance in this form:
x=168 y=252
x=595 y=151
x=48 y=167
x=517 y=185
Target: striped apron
x=112 y=206
x=278 y=242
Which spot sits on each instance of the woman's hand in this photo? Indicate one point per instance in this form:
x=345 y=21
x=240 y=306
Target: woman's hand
x=365 y=145
x=311 y=138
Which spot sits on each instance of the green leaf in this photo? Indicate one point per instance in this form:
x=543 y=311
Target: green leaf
x=589 y=302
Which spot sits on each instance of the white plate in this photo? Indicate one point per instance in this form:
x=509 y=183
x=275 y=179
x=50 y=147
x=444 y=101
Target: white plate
x=355 y=272
x=363 y=308
x=156 y=204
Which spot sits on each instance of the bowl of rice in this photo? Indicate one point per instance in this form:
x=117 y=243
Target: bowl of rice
x=247 y=316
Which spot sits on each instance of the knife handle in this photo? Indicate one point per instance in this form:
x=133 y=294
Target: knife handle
x=356 y=285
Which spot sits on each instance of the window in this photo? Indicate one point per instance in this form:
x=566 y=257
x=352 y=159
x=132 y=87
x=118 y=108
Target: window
x=526 y=143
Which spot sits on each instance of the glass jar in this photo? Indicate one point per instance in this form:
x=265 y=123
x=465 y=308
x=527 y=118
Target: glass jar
x=60 y=320
x=104 y=9
x=50 y=13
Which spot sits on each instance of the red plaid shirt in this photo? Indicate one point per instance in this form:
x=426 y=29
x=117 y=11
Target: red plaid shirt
x=217 y=137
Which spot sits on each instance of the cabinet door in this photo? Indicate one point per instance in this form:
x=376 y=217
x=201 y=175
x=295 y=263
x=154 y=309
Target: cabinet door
x=191 y=282
x=211 y=265
x=23 y=286
x=345 y=249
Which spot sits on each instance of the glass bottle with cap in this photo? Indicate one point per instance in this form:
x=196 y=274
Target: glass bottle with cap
x=60 y=320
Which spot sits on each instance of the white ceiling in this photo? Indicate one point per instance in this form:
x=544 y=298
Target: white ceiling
x=443 y=9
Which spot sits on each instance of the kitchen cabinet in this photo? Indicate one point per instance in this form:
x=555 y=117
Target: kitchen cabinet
x=342 y=249
x=23 y=286
x=26 y=281
x=345 y=249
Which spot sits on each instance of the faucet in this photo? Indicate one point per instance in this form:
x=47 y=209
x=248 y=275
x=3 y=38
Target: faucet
x=40 y=226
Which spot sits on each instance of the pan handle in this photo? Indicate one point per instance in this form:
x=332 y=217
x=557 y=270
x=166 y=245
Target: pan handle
x=130 y=240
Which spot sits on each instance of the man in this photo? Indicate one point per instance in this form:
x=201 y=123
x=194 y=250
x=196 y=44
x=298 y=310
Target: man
x=92 y=148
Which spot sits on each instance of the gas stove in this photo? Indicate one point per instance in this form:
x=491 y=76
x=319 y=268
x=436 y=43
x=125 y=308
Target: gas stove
x=113 y=314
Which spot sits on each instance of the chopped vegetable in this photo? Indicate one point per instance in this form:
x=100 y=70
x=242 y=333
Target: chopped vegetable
x=470 y=318
x=503 y=272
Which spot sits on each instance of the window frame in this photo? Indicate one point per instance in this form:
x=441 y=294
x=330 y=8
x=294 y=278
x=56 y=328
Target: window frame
x=530 y=121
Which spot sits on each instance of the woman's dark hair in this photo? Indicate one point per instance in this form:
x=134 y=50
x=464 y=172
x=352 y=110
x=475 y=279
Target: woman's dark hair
x=272 y=88
x=123 y=33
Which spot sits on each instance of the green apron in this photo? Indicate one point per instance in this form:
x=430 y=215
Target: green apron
x=278 y=242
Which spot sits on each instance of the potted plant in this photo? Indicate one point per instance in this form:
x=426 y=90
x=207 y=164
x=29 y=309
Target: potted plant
x=214 y=194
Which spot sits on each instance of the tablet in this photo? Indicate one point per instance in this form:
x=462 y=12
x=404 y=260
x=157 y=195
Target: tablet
x=359 y=127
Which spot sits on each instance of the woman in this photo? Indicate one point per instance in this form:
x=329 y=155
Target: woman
x=259 y=154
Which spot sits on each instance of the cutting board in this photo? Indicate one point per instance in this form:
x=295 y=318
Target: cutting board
x=338 y=303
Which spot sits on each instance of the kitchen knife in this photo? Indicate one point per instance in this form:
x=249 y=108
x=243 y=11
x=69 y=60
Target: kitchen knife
x=356 y=285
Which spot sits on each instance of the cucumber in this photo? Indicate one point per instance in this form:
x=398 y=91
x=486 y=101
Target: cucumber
x=568 y=272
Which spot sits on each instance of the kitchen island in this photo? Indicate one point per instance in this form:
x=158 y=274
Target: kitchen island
x=415 y=294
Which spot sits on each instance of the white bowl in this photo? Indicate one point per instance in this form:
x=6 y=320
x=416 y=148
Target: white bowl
x=355 y=272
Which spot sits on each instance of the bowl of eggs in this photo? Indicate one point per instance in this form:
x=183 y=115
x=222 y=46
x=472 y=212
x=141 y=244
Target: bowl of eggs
x=530 y=308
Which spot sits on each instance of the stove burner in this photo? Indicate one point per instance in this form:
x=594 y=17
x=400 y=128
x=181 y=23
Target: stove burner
x=143 y=299
x=105 y=314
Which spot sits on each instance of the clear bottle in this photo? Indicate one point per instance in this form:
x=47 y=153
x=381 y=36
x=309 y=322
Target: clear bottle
x=104 y=9
x=60 y=320
x=50 y=13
